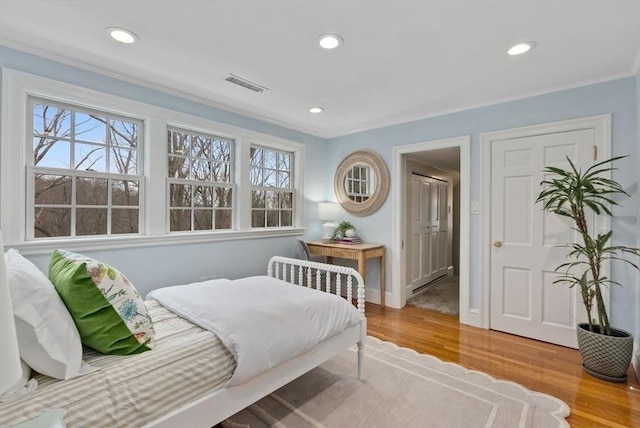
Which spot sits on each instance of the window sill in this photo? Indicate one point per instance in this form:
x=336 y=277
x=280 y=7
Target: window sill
x=107 y=243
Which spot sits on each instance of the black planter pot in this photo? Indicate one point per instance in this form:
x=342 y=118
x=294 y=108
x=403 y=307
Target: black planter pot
x=605 y=357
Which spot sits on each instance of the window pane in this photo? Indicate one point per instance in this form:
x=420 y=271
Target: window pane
x=178 y=167
x=51 y=121
x=202 y=196
x=91 y=221
x=124 y=221
x=286 y=218
x=255 y=176
x=223 y=219
x=273 y=218
x=123 y=161
x=270 y=159
x=221 y=151
x=221 y=172
x=257 y=199
x=52 y=190
x=270 y=178
x=178 y=143
x=123 y=133
x=283 y=179
x=125 y=192
x=202 y=220
x=180 y=195
x=272 y=199
x=200 y=170
x=257 y=218
x=91 y=128
x=52 y=153
x=286 y=200
x=91 y=191
x=200 y=147
x=50 y=222
x=284 y=161
x=256 y=156
x=90 y=157
x=180 y=220
x=223 y=197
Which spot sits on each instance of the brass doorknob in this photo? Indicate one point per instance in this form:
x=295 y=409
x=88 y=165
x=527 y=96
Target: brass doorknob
x=497 y=244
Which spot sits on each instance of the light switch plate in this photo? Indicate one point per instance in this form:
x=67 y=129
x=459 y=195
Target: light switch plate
x=475 y=207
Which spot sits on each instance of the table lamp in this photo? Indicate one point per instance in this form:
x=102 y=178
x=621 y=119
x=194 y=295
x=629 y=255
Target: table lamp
x=328 y=211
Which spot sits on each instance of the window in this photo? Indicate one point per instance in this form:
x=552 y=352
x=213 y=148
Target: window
x=94 y=171
x=272 y=193
x=200 y=181
x=86 y=178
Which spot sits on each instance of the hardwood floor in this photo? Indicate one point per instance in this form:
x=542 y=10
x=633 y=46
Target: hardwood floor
x=539 y=366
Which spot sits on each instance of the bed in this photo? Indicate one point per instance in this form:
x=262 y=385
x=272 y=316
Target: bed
x=187 y=379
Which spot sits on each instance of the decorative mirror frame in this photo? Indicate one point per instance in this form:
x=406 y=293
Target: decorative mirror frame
x=379 y=168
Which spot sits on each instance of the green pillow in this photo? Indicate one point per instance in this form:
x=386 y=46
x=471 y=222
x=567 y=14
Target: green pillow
x=110 y=314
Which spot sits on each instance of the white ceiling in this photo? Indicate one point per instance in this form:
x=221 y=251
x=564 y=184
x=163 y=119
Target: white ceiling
x=402 y=60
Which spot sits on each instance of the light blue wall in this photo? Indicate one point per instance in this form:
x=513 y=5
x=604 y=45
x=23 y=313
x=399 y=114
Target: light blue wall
x=617 y=97
x=151 y=267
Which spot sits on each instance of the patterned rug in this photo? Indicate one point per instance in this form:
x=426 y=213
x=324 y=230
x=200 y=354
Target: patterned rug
x=442 y=295
x=401 y=388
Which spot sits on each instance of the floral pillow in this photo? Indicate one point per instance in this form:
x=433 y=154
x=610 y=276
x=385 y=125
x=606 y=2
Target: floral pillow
x=110 y=314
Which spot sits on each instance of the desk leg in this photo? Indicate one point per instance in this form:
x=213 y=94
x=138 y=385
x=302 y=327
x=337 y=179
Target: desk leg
x=382 y=279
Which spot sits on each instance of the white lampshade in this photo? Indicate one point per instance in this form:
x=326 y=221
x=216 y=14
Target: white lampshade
x=10 y=368
x=328 y=211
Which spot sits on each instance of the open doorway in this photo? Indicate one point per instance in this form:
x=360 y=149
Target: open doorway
x=432 y=216
x=429 y=159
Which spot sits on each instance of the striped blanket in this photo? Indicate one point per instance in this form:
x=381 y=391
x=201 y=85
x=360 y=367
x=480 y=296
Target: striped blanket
x=187 y=362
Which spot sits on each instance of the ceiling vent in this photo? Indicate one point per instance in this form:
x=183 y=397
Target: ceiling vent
x=245 y=83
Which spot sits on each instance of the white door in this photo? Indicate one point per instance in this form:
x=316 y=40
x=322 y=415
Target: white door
x=525 y=252
x=439 y=229
x=420 y=230
x=429 y=229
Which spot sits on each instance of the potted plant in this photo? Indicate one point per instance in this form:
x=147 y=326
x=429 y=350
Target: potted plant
x=606 y=351
x=344 y=228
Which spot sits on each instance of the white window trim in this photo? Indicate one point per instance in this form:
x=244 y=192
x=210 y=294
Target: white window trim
x=17 y=86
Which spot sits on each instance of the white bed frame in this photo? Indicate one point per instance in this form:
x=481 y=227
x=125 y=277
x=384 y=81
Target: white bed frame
x=218 y=405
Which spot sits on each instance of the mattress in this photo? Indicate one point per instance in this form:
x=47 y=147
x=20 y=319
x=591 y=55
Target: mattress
x=186 y=363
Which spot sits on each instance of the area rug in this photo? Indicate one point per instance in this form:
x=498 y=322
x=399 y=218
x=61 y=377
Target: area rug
x=402 y=388
x=441 y=296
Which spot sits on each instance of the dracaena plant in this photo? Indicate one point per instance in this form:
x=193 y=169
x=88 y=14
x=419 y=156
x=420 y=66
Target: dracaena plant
x=573 y=193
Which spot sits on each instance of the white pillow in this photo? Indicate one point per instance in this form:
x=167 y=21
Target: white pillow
x=47 y=336
x=23 y=386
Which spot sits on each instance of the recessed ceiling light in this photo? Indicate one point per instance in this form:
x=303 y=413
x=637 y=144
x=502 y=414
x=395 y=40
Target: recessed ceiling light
x=330 y=41
x=122 y=35
x=316 y=109
x=521 y=48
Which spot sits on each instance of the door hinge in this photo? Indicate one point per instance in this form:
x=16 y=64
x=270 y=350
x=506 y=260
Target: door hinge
x=595 y=152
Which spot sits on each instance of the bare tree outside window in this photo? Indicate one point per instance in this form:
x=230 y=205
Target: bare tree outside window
x=85 y=172
x=271 y=188
x=200 y=181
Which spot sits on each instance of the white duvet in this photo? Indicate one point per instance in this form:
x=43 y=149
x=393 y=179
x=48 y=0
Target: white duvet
x=263 y=321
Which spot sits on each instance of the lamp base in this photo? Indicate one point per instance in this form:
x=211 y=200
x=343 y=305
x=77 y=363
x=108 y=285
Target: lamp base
x=328 y=229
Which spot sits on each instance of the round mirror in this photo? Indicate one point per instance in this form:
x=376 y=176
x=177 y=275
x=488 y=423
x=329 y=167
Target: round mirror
x=361 y=183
